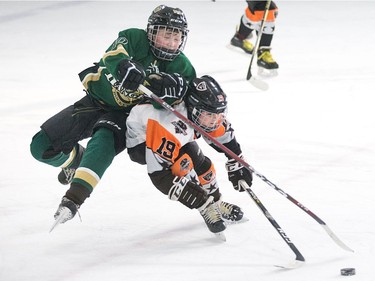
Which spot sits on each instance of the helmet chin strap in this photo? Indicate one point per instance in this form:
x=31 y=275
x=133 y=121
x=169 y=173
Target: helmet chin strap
x=165 y=53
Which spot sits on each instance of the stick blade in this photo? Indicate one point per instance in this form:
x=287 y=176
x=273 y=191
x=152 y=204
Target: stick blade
x=336 y=239
x=259 y=84
x=292 y=265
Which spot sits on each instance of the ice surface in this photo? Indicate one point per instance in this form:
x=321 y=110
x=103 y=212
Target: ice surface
x=312 y=134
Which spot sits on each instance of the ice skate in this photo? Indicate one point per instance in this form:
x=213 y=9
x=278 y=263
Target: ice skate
x=212 y=217
x=66 y=211
x=67 y=173
x=231 y=213
x=267 y=66
x=238 y=44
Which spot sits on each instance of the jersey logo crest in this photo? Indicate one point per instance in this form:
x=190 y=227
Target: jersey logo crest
x=209 y=176
x=184 y=164
x=153 y=67
x=180 y=127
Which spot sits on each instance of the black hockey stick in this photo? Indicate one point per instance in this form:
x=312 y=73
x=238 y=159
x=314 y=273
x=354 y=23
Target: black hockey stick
x=246 y=165
x=255 y=82
x=299 y=258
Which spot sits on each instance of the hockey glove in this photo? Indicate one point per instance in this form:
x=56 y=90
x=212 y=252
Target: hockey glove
x=187 y=192
x=237 y=172
x=169 y=87
x=130 y=74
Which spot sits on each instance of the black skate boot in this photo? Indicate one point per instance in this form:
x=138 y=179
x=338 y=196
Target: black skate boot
x=265 y=59
x=67 y=173
x=245 y=45
x=267 y=66
x=66 y=210
x=212 y=216
x=230 y=212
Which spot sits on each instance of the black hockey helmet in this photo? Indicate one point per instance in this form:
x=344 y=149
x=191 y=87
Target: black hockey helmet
x=206 y=103
x=171 y=19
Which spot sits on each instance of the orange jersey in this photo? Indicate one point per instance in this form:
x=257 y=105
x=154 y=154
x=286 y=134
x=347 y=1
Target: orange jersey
x=165 y=134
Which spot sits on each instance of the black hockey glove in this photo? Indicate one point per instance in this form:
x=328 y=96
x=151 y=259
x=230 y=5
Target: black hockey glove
x=237 y=172
x=130 y=74
x=169 y=87
x=187 y=192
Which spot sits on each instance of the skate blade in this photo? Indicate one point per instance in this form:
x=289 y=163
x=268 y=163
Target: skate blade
x=267 y=73
x=259 y=84
x=221 y=236
x=243 y=220
x=64 y=213
x=292 y=265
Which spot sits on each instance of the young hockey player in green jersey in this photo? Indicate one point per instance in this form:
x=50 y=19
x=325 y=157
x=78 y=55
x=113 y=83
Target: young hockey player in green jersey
x=112 y=90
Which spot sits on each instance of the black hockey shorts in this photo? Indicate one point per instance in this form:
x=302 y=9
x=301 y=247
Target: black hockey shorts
x=80 y=120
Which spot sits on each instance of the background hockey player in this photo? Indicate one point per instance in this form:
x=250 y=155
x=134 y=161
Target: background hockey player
x=250 y=21
x=111 y=86
x=175 y=163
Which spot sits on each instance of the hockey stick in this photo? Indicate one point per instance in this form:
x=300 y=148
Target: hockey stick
x=299 y=258
x=255 y=82
x=151 y=95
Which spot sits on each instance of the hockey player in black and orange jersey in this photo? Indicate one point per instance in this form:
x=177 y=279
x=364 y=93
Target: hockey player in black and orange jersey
x=111 y=86
x=250 y=21
x=175 y=163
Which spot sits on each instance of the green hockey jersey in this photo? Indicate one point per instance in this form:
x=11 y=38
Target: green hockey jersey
x=101 y=80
